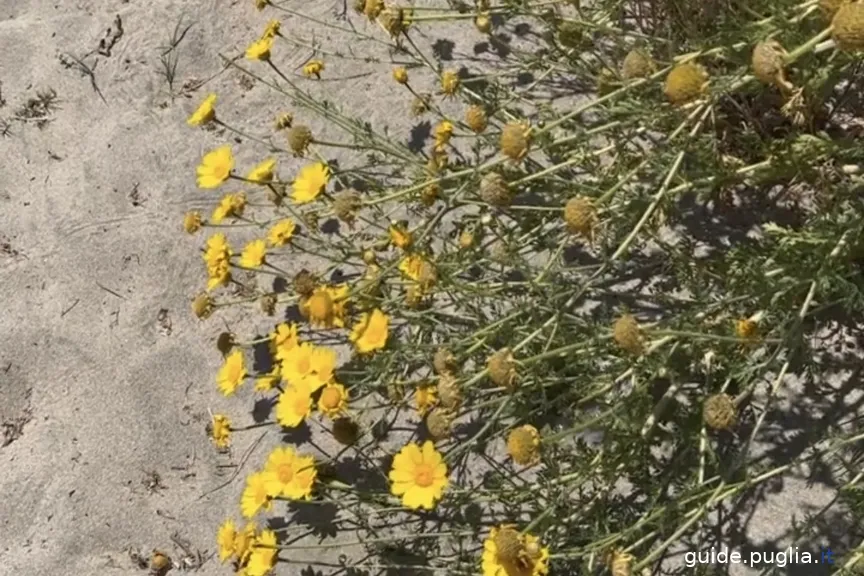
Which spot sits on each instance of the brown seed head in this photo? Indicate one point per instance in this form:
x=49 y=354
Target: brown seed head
x=475 y=118
x=393 y=20
x=495 y=191
x=299 y=139
x=580 y=215
x=268 y=303
x=685 y=82
x=620 y=563
x=225 y=343
x=420 y=104
x=523 y=445
x=719 y=412
x=430 y=194
x=346 y=205
x=509 y=545
x=637 y=64
x=439 y=422
x=305 y=283
x=848 y=25
x=192 y=222
x=746 y=329
x=449 y=391
x=444 y=362
x=628 y=335
x=767 y=61
x=515 y=141
x=202 y=306
x=502 y=368
x=373 y=8
x=428 y=276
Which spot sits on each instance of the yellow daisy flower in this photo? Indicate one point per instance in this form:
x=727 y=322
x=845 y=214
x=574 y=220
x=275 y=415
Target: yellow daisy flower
x=310 y=182
x=225 y=540
x=232 y=373
x=263 y=172
x=255 y=496
x=290 y=474
x=370 y=333
x=220 y=431
x=411 y=266
x=508 y=553
x=215 y=167
x=400 y=236
x=205 y=113
x=297 y=363
x=218 y=275
x=263 y=555
x=425 y=399
x=260 y=49
x=269 y=381
x=419 y=476
x=243 y=542
x=272 y=29
x=294 y=406
x=449 y=82
x=281 y=232
x=313 y=68
x=253 y=254
x=282 y=340
x=333 y=401
x=400 y=75
x=323 y=362
x=216 y=250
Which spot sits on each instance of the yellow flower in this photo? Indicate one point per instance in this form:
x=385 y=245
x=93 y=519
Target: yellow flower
x=400 y=75
x=289 y=474
x=263 y=555
x=425 y=399
x=313 y=68
x=272 y=29
x=192 y=222
x=263 y=172
x=400 y=236
x=509 y=553
x=255 y=495
x=205 y=113
x=243 y=541
x=253 y=254
x=419 y=476
x=231 y=205
x=325 y=307
x=225 y=540
x=270 y=380
x=220 y=431
x=283 y=339
x=310 y=182
x=232 y=373
x=371 y=331
x=260 y=49
x=215 y=168
x=443 y=133
x=294 y=405
x=411 y=266
x=217 y=250
x=218 y=275
x=297 y=363
x=449 y=82
x=323 y=362
x=333 y=401
x=281 y=232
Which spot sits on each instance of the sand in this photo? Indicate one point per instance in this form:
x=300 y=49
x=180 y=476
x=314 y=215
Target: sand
x=106 y=378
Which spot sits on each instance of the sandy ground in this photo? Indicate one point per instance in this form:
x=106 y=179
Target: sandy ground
x=106 y=378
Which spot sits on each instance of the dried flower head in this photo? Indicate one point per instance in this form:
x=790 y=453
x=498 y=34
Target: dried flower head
x=509 y=545
x=430 y=194
x=449 y=391
x=346 y=205
x=393 y=20
x=495 y=191
x=202 y=306
x=620 y=563
x=284 y=120
x=420 y=104
x=686 y=82
x=305 y=283
x=719 y=412
x=268 y=302
x=628 y=335
x=746 y=329
x=400 y=75
x=637 y=64
x=313 y=68
x=444 y=362
x=515 y=141
x=449 y=82
x=523 y=445
x=192 y=222
x=502 y=368
x=373 y=8
x=439 y=422
x=466 y=238
x=475 y=118
x=580 y=215
x=768 y=62
x=848 y=27
x=483 y=23
x=570 y=34
x=299 y=139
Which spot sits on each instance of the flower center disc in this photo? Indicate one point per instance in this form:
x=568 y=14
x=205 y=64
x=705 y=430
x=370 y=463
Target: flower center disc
x=423 y=475
x=285 y=473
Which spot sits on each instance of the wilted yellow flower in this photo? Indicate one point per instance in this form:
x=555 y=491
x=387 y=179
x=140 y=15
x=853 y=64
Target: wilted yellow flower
x=192 y=222
x=515 y=141
x=449 y=82
x=371 y=332
x=261 y=4
x=205 y=113
x=523 y=445
x=281 y=232
x=202 y=306
x=272 y=29
x=768 y=64
x=502 y=368
x=231 y=205
x=373 y=8
x=419 y=476
x=425 y=398
x=443 y=133
x=215 y=168
x=263 y=172
x=232 y=373
x=746 y=329
x=506 y=552
x=253 y=254
x=313 y=68
x=310 y=182
x=284 y=120
x=263 y=555
x=260 y=49
x=400 y=75
x=400 y=236
x=220 y=430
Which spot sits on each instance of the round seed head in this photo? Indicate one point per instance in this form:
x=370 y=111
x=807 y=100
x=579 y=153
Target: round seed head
x=400 y=75
x=444 y=362
x=449 y=391
x=202 y=306
x=483 y=23
x=509 y=546
x=373 y=8
x=628 y=335
x=515 y=142
x=369 y=257
x=475 y=118
x=620 y=563
x=305 y=283
x=570 y=34
x=637 y=64
x=580 y=215
x=523 y=445
x=848 y=25
x=466 y=239
x=502 y=368
x=719 y=412
x=346 y=205
x=767 y=61
x=428 y=276
x=299 y=138
x=439 y=422
x=430 y=194
x=685 y=82
x=494 y=190
x=829 y=7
